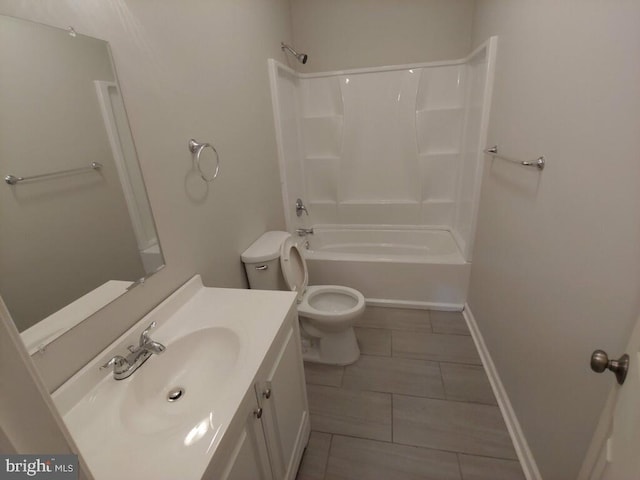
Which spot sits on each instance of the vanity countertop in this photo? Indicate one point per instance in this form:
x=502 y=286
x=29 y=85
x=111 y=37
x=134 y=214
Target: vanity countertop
x=216 y=340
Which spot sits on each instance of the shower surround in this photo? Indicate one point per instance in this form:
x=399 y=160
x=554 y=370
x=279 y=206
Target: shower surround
x=386 y=147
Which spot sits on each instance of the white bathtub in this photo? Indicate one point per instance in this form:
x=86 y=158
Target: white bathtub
x=394 y=266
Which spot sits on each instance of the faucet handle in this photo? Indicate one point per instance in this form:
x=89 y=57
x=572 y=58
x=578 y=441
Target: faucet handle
x=119 y=363
x=300 y=208
x=144 y=336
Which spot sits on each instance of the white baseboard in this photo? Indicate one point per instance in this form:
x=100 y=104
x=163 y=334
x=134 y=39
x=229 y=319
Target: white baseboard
x=414 y=305
x=528 y=463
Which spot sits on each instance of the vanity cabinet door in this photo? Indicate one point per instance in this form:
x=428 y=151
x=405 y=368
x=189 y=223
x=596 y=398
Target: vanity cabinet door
x=247 y=458
x=282 y=396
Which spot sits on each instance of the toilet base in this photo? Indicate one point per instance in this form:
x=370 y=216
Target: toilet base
x=331 y=348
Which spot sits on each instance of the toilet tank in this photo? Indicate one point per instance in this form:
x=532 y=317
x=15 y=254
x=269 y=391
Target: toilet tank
x=262 y=262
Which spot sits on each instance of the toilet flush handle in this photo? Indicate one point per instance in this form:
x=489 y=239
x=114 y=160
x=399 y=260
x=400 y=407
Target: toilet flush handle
x=262 y=267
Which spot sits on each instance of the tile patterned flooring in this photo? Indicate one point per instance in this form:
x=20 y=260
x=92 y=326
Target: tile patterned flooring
x=416 y=405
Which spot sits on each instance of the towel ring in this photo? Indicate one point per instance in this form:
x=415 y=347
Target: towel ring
x=196 y=149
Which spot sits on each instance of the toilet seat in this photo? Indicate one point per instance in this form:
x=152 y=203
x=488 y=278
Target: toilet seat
x=333 y=305
x=294 y=267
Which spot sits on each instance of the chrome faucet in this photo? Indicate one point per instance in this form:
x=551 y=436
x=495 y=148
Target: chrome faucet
x=303 y=232
x=300 y=207
x=124 y=367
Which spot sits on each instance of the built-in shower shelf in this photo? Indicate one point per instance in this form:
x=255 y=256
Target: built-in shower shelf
x=316 y=117
x=436 y=153
x=453 y=155
x=438 y=201
x=320 y=158
x=439 y=109
x=407 y=201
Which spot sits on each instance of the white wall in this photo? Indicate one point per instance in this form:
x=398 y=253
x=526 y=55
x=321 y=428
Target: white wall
x=28 y=421
x=187 y=69
x=556 y=265
x=342 y=34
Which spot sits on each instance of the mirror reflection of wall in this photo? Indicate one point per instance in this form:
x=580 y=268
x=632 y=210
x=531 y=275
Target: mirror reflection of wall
x=75 y=241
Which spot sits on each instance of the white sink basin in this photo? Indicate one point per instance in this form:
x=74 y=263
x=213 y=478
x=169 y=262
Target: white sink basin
x=137 y=412
x=215 y=342
x=193 y=369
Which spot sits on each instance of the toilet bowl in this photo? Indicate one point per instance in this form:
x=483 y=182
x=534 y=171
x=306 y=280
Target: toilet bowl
x=326 y=312
x=333 y=307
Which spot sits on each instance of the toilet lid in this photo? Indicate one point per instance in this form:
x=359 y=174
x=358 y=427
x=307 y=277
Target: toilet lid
x=294 y=267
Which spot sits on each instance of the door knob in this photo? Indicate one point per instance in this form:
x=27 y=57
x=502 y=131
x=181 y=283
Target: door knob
x=600 y=362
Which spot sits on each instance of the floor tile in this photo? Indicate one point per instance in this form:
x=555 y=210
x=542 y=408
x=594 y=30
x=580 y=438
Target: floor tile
x=434 y=346
x=314 y=460
x=395 y=375
x=468 y=383
x=484 y=468
x=455 y=426
x=358 y=459
x=423 y=390
x=395 y=318
x=319 y=374
x=374 y=341
x=449 y=322
x=350 y=412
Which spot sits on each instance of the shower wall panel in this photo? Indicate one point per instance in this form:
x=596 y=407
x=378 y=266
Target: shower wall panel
x=285 y=98
x=392 y=145
x=384 y=147
x=322 y=130
x=476 y=111
x=439 y=108
x=378 y=157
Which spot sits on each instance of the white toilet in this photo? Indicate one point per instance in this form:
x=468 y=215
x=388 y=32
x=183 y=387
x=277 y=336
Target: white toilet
x=326 y=312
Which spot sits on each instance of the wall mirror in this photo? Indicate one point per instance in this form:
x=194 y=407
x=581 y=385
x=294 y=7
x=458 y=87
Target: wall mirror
x=76 y=228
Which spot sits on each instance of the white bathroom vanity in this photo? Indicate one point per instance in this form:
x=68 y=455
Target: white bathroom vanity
x=226 y=399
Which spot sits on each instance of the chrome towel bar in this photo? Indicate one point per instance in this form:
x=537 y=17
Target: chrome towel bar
x=538 y=163
x=12 y=179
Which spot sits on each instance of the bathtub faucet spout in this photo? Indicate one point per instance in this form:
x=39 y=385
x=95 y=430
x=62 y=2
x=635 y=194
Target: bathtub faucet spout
x=303 y=232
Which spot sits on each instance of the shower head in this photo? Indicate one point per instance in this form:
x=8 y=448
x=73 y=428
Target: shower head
x=301 y=57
